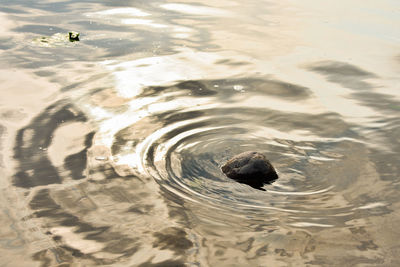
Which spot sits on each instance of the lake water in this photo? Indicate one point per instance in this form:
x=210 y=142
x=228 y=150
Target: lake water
x=111 y=146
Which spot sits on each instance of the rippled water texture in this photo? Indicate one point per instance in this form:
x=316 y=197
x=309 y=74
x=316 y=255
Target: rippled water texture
x=112 y=146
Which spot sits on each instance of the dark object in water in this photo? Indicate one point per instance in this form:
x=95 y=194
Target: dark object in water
x=250 y=168
x=73 y=36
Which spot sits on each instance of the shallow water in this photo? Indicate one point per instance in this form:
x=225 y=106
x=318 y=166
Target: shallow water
x=111 y=147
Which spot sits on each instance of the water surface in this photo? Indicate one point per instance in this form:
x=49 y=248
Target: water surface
x=111 y=147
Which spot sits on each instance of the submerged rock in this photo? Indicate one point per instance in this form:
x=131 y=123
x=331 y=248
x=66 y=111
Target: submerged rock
x=250 y=168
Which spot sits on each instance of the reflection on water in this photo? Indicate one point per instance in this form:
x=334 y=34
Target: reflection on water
x=112 y=148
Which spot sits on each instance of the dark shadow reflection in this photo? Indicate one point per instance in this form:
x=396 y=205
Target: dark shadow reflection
x=32 y=143
x=345 y=74
x=227 y=88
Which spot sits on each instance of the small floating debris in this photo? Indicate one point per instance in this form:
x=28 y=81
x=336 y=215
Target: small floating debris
x=101 y=158
x=250 y=168
x=57 y=39
x=73 y=36
x=239 y=88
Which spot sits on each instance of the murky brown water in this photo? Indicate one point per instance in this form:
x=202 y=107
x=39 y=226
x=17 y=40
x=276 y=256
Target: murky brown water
x=111 y=147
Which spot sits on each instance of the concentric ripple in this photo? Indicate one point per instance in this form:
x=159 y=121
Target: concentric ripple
x=183 y=145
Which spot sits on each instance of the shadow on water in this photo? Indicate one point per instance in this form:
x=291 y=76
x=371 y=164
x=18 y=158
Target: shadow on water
x=33 y=141
x=345 y=74
x=353 y=77
x=79 y=188
x=386 y=134
x=224 y=88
